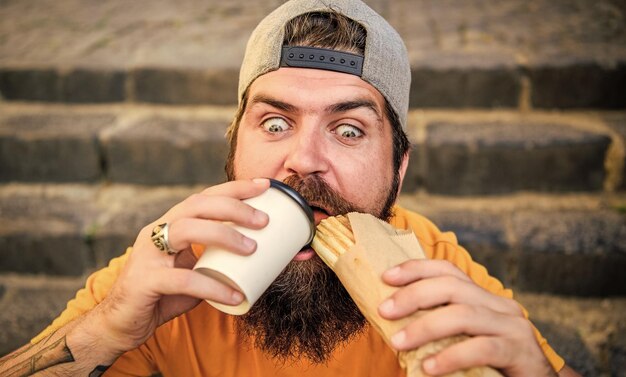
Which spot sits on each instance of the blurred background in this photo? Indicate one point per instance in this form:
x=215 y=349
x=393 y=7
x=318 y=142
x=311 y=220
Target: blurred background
x=112 y=111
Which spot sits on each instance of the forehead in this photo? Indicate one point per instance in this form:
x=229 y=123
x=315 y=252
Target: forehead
x=315 y=87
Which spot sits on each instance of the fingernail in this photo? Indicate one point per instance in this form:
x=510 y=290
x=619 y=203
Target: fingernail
x=398 y=339
x=429 y=365
x=249 y=244
x=259 y=180
x=387 y=306
x=392 y=271
x=260 y=217
x=237 y=297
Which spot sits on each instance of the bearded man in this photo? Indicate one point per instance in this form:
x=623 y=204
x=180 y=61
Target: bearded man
x=323 y=101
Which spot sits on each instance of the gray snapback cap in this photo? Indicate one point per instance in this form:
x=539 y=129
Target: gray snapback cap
x=385 y=64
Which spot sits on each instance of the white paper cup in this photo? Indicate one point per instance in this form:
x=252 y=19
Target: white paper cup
x=291 y=227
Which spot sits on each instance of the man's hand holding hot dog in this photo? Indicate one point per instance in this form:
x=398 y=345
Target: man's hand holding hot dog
x=501 y=336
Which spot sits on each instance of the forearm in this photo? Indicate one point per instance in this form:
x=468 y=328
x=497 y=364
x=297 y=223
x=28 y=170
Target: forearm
x=72 y=350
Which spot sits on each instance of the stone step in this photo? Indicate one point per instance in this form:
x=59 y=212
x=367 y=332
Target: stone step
x=548 y=54
x=116 y=143
x=29 y=304
x=456 y=152
x=570 y=244
x=477 y=153
x=70 y=229
x=588 y=333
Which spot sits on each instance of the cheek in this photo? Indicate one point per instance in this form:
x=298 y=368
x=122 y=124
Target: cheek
x=253 y=160
x=365 y=182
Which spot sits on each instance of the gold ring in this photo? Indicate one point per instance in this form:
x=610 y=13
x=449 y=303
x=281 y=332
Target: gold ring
x=160 y=238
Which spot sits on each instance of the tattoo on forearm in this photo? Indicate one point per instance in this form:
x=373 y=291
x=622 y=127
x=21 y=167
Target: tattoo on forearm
x=49 y=356
x=16 y=354
x=24 y=350
x=100 y=369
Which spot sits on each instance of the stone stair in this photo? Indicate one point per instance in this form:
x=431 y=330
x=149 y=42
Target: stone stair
x=111 y=112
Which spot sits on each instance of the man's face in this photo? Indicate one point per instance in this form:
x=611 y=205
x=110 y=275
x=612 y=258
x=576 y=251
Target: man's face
x=324 y=134
x=315 y=122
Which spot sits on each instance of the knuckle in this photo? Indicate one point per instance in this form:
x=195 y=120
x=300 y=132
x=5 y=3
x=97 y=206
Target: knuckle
x=406 y=298
x=520 y=330
x=178 y=225
x=207 y=191
x=247 y=213
x=412 y=290
x=513 y=307
x=195 y=198
x=490 y=347
x=506 y=351
x=178 y=230
x=450 y=281
x=426 y=327
x=445 y=265
x=465 y=311
x=411 y=264
x=230 y=237
x=524 y=327
x=236 y=238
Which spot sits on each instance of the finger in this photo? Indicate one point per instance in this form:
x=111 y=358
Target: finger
x=472 y=352
x=454 y=320
x=184 y=232
x=514 y=356
x=180 y=281
x=240 y=189
x=432 y=292
x=416 y=269
x=223 y=208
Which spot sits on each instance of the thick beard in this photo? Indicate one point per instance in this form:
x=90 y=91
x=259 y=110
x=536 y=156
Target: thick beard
x=306 y=312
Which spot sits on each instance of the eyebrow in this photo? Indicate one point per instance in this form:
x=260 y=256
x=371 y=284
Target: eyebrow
x=334 y=108
x=280 y=105
x=351 y=105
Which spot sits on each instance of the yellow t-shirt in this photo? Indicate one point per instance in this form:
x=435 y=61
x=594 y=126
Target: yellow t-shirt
x=204 y=342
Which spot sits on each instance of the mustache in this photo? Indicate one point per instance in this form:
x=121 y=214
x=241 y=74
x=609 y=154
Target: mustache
x=318 y=193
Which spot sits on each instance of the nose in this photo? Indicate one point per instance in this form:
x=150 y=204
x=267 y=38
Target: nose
x=307 y=155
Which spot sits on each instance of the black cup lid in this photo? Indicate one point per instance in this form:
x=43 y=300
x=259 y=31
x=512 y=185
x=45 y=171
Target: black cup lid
x=293 y=194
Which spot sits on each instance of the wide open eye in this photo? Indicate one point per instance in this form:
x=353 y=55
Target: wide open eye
x=275 y=125
x=348 y=131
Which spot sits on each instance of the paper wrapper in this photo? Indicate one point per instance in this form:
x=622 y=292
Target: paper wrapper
x=378 y=247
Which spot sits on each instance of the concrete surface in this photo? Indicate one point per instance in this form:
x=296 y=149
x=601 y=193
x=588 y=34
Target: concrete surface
x=463 y=54
x=490 y=152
